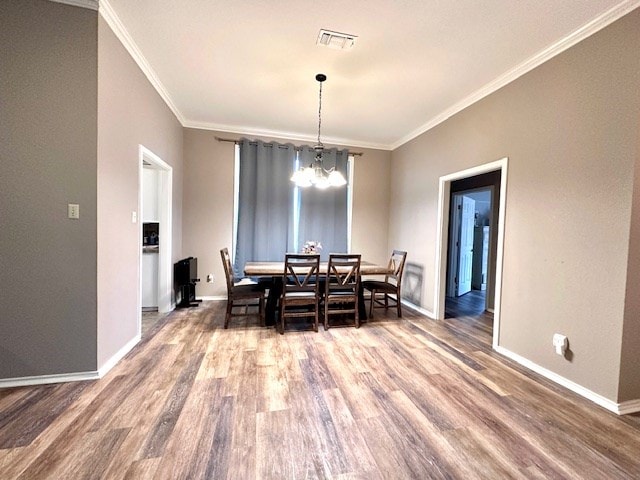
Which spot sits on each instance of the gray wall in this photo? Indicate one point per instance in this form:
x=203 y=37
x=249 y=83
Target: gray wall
x=208 y=203
x=570 y=130
x=130 y=113
x=48 y=92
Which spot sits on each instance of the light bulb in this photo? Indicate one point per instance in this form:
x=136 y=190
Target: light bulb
x=336 y=179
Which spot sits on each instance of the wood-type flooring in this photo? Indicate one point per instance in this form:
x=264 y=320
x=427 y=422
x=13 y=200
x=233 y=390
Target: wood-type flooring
x=396 y=399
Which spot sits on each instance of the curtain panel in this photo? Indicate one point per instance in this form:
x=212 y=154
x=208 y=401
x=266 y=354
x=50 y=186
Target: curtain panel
x=323 y=213
x=265 y=203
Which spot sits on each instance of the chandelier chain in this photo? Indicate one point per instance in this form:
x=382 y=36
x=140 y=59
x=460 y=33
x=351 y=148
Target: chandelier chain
x=319 y=113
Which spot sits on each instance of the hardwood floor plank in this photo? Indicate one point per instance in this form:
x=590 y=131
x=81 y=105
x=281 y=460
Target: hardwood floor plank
x=159 y=434
x=418 y=454
x=96 y=457
x=17 y=428
x=357 y=455
x=186 y=452
x=220 y=452
x=141 y=469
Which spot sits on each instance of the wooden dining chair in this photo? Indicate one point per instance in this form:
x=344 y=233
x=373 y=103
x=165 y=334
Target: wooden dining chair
x=300 y=296
x=341 y=287
x=392 y=285
x=241 y=293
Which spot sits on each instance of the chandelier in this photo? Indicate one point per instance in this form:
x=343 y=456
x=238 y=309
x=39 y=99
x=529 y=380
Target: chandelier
x=315 y=174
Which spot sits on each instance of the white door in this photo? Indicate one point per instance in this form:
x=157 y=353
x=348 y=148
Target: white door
x=465 y=250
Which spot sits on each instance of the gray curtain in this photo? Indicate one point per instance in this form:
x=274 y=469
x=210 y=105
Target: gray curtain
x=265 y=207
x=323 y=213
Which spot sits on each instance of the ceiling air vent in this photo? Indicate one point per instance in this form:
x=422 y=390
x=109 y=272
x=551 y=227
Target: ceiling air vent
x=339 y=41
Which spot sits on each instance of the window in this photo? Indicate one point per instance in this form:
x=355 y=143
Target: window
x=272 y=216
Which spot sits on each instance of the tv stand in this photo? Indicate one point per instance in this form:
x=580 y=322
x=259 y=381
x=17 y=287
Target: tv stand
x=188 y=296
x=185 y=277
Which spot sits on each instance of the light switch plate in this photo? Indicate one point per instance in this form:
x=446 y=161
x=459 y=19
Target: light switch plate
x=73 y=211
x=134 y=216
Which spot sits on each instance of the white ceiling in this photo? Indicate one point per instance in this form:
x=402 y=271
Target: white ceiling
x=249 y=66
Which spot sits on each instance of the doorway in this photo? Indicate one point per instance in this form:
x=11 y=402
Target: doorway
x=155 y=224
x=470 y=221
x=453 y=189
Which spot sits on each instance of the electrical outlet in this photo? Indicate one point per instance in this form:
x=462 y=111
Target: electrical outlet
x=73 y=211
x=210 y=278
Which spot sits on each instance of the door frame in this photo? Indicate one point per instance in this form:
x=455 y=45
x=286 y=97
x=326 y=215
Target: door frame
x=442 y=239
x=165 y=189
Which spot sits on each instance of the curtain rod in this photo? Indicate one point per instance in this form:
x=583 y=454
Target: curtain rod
x=237 y=142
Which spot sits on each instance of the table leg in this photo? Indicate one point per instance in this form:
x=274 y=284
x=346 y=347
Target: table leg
x=362 y=308
x=271 y=309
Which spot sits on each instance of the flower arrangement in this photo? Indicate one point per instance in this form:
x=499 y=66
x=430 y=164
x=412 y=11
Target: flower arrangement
x=311 y=247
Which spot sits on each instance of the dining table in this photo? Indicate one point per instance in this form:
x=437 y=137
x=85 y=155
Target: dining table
x=275 y=270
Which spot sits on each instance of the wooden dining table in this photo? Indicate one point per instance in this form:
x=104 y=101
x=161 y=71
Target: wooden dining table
x=275 y=270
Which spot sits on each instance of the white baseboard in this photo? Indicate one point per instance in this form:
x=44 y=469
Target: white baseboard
x=623 y=408
x=631 y=406
x=418 y=309
x=71 y=377
x=214 y=297
x=46 y=379
x=119 y=355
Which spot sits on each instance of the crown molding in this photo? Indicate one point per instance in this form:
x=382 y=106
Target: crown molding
x=90 y=4
x=541 y=57
x=112 y=19
x=283 y=135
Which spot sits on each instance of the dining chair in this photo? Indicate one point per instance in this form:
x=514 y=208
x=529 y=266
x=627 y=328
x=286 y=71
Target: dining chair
x=392 y=285
x=240 y=292
x=300 y=296
x=341 y=287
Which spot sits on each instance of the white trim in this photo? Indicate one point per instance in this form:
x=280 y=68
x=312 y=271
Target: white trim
x=119 y=355
x=516 y=72
x=630 y=406
x=112 y=19
x=617 y=408
x=442 y=226
x=213 y=297
x=423 y=311
x=46 y=379
x=90 y=4
x=165 y=202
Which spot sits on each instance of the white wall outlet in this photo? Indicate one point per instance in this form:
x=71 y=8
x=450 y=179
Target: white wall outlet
x=73 y=211
x=210 y=278
x=134 y=216
x=560 y=343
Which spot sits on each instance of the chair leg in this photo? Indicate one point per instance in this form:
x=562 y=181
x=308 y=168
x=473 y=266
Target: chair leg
x=373 y=298
x=282 y=319
x=357 y=314
x=228 y=315
x=315 y=318
x=261 y=310
x=326 y=315
x=399 y=305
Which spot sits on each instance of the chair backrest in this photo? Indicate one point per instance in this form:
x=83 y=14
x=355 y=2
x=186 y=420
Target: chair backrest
x=228 y=269
x=300 y=273
x=343 y=272
x=396 y=264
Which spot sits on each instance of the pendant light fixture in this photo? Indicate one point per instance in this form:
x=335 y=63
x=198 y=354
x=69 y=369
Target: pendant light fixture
x=315 y=174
